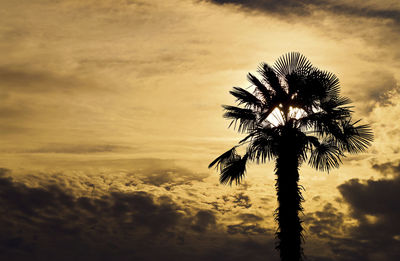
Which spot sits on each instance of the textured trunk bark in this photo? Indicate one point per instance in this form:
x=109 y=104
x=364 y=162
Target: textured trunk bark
x=290 y=229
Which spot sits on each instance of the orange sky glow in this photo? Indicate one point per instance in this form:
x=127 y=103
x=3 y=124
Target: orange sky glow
x=111 y=110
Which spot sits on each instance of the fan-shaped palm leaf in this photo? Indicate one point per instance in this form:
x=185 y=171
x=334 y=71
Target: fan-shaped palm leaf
x=355 y=139
x=245 y=117
x=292 y=62
x=266 y=93
x=272 y=80
x=245 y=97
x=325 y=156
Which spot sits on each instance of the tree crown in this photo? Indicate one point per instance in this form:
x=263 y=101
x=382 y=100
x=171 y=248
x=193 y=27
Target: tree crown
x=295 y=108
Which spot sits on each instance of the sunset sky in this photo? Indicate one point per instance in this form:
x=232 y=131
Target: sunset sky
x=110 y=112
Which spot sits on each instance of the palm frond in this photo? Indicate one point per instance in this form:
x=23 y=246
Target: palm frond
x=315 y=87
x=245 y=117
x=305 y=145
x=296 y=84
x=292 y=62
x=331 y=83
x=271 y=79
x=263 y=145
x=269 y=108
x=325 y=156
x=245 y=97
x=226 y=157
x=260 y=87
x=234 y=170
x=319 y=123
x=337 y=108
x=355 y=139
x=312 y=140
x=335 y=102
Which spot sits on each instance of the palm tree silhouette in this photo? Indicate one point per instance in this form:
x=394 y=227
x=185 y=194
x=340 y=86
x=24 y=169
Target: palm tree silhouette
x=295 y=114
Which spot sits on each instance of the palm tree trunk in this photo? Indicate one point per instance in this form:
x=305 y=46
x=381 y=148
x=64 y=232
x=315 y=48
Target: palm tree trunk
x=289 y=231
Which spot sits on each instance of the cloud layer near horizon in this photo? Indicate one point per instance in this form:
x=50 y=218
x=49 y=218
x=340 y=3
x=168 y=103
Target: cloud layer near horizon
x=113 y=215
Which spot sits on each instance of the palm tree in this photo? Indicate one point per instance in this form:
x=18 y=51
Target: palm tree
x=295 y=114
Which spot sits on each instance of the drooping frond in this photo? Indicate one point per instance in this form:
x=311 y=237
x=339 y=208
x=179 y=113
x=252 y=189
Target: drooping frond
x=292 y=62
x=234 y=170
x=245 y=97
x=226 y=157
x=325 y=156
x=246 y=118
x=355 y=139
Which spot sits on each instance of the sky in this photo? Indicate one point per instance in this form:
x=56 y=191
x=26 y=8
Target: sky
x=110 y=112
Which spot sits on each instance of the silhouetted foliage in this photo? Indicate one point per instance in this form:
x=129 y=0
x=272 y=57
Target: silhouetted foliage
x=294 y=114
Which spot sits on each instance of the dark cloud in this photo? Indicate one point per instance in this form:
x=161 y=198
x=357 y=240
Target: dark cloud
x=11 y=110
x=242 y=200
x=247 y=229
x=249 y=218
x=285 y=7
x=377 y=88
x=374 y=205
x=23 y=79
x=248 y=226
x=167 y=175
x=51 y=223
x=172 y=176
x=388 y=168
x=203 y=220
x=374 y=197
x=227 y=203
x=288 y=8
x=323 y=223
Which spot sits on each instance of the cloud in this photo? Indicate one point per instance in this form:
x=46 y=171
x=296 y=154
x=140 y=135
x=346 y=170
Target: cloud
x=376 y=89
x=285 y=7
x=230 y=202
x=164 y=173
x=242 y=200
x=247 y=229
x=250 y=218
x=25 y=79
x=388 y=168
x=325 y=222
x=99 y=174
x=374 y=198
x=79 y=148
x=373 y=204
x=309 y=7
x=203 y=220
x=249 y=225
x=50 y=222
